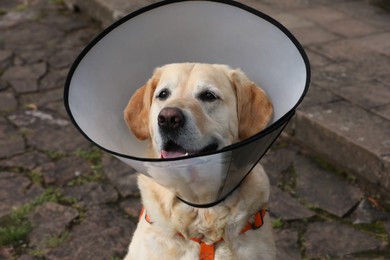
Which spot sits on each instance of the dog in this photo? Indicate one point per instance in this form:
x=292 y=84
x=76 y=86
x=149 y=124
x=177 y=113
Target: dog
x=193 y=108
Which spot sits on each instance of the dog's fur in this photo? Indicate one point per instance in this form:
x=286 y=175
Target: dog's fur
x=221 y=106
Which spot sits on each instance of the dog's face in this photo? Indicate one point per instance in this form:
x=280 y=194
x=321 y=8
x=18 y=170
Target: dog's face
x=193 y=108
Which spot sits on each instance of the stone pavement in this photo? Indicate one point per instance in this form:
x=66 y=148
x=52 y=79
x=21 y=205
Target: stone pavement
x=62 y=198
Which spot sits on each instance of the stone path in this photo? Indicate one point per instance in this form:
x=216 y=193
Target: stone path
x=62 y=198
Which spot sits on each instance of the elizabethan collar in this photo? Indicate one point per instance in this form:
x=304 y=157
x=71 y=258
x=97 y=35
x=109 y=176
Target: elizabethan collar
x=119 y=60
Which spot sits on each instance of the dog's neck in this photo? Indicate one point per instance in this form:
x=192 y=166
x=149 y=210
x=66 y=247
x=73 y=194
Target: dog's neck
x=223 y=220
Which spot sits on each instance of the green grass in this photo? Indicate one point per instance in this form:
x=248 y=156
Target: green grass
x=54 y=155
x=15 y=233
x=94 y=157
x=56 y=1
x=278 y=223
x=15 y=227
x=53 y=242
x=21 y=7
x=36 y=177
x=324 y=164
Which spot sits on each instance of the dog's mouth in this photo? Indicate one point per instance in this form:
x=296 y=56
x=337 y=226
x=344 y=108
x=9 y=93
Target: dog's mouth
x=173 y=150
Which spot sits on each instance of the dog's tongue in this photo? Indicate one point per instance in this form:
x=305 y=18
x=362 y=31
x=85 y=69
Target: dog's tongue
x=172 y=154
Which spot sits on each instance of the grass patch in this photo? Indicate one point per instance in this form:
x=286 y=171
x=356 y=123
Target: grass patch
x=279 y=144
x=376 y=229
x=14 y=233
x=54 y=155
x=59 y=2
x=38 y=253
x=36 y=177
x=278 y=223
x=289 y=179
x=15 y=227
x=324 y=164
x=21 y=7
x=115 y=258
x=53 y=242
x=94 y=157
x=3 y=12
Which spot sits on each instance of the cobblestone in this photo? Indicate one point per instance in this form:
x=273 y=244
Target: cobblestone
x=320 y=207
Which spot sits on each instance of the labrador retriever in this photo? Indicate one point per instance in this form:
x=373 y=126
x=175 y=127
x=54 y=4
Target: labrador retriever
x=193 y=108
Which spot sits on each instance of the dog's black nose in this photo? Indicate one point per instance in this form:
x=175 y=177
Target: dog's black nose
x=170 y=118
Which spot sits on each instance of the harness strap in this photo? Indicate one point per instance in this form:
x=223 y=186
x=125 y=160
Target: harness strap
x=207 y=251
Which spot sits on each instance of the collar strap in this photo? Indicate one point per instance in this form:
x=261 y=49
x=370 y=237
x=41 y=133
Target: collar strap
x=207 y=251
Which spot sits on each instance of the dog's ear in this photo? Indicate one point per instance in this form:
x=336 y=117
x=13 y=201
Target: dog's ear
x=254 y=108
x=137 y=110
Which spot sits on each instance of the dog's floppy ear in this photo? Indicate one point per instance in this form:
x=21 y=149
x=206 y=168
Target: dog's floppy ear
x=137 y=110
x=254 y=108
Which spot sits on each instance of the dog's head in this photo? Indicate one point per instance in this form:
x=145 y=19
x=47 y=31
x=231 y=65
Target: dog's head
x=192 y=108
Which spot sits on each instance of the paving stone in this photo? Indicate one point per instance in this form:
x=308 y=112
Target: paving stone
x=378 y=42
x=317 y=96
x=62 y=21
x=5 y=55
x=49 y=220
x=383 y=111
x=56 y=136
x=31 y=36
x=108 y=12
x=337 y=240
x=366 y=68
x=25 y=78
x=33 y=53
x=7 y=102
x=29 y=160
x=132 y=207
x=365 y=11
x=276 y=162
x=26 y=257
x=103 y=234
x=63 y=58
x=57 y=108
x=263 y=7
x=317 y=60
x=338 y=128
x=387 y=227
x=287 y=4
x=54 y=79
x=313 y=35
x=5 y=253
x=367 y=94
x=64 y=170
x=15 y=191
x=41 y=99
x=351 y=27
x=366 y=213
x=283 y=206
x=321 y=14
x=92 y=193
x=3 y=84
x=122 y=176
x=291 y=21
x=11 y=141
x=5 y=59
x=286 y=241
x=322 y=189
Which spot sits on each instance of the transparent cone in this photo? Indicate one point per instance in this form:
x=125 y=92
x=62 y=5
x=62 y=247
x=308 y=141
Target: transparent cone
x=122 y=58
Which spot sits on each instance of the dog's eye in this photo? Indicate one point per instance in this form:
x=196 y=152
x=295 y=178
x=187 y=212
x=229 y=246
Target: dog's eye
x=208 y=96
x=164 y=94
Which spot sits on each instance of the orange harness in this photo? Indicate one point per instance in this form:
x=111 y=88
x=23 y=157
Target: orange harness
x=207 y=251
